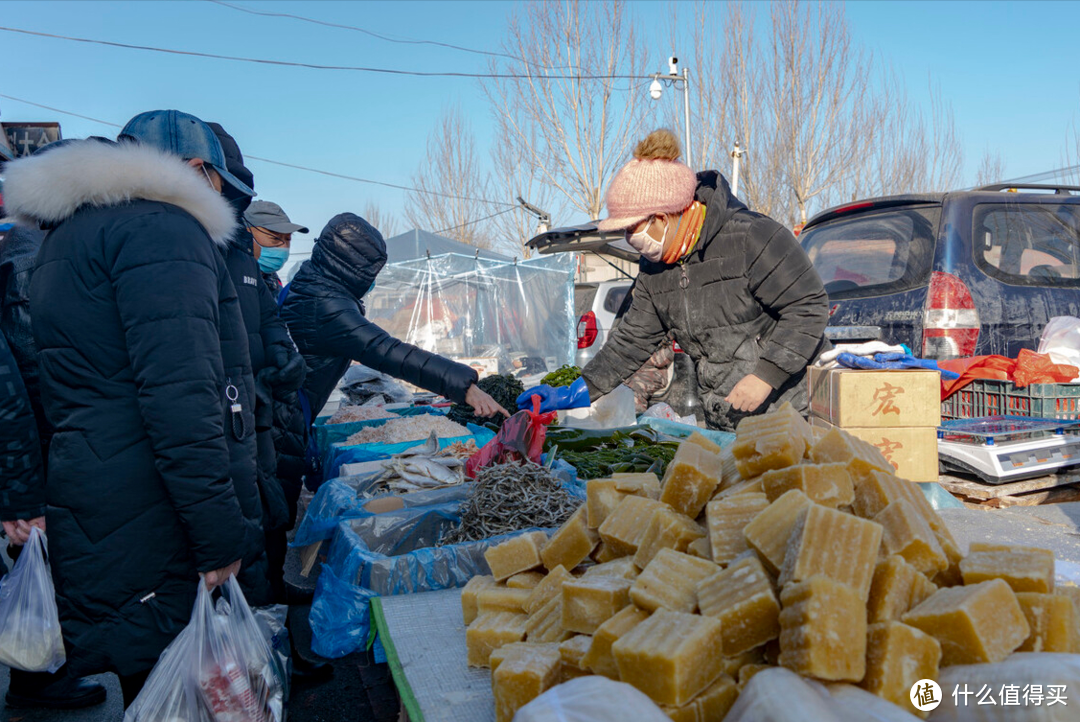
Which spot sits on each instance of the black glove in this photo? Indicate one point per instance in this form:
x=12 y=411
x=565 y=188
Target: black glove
x=286 y=372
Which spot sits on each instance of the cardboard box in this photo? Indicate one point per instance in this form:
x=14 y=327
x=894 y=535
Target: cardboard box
x=912 y=451
x=851 y=398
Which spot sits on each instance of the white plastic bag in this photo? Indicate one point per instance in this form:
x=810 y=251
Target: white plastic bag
x=591 y=699
x=30 y=637
x=612 y=411
x=780 y=695
x=1061 y=340
x=664 y=411
x=219 y=669
x=1022 y=672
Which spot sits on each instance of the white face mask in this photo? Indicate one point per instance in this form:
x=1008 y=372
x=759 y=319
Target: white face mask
x=650 y=248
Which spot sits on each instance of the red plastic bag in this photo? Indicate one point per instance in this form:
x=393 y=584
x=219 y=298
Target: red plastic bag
x=1037 y=368
x=521 y=437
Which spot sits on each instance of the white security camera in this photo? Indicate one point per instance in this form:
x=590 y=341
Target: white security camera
x=656 y=89
x=673 y=65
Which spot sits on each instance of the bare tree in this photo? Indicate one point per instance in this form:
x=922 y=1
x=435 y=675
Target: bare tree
x=514 y=176
x=570 y=117
x=386 y=222
x=452 y=189
x=991 y=169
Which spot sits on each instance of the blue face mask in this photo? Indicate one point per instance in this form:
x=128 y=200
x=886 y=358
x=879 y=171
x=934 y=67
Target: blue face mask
x=272 y=259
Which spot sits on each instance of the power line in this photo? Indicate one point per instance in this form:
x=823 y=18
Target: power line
x=510 y=206
x=478 y=220
x=315 y=66
x=403 y=41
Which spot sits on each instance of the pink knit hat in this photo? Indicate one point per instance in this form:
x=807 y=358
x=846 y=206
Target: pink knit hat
x=653 y=182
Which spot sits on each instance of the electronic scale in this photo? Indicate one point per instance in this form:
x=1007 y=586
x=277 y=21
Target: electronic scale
x=1000 y=449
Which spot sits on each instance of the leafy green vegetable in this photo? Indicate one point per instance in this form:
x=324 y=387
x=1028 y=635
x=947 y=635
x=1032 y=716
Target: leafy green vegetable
x=563 y=376
x=504 y=389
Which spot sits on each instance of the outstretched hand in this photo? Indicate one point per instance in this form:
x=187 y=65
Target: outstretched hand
x=482 y=404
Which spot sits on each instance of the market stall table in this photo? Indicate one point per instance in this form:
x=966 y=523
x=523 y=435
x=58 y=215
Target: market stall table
x=424 y=635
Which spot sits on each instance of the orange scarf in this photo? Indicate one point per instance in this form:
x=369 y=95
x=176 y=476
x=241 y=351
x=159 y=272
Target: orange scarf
x=687 y=234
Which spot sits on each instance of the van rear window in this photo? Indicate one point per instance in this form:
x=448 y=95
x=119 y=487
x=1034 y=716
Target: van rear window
x=1028 y=244
x=874 y=253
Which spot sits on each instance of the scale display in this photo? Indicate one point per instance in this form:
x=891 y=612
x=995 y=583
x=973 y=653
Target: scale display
x=1000 y=449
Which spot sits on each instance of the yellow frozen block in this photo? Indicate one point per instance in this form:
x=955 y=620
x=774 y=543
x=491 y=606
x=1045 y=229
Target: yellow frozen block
x=517 y=650
x=525 y=580
x=469 y=608
x=598 y=659
x=671 y=657
x=603 y=495
x=1072 y=593
x=747 y=672
x=823 y=630
x=545 y=624
x=588 y=603
x=691 y=479
x=623 y=528
x=922 y=590
x=825 y=484
x=549 y=587
x=623 y=567
x=667 y=529
x=726 y=520
x=749 y=486
x=898 y=656
x=837 y=545
x=755 y=454
x=572 y=651
x=712 y=705
x=496 y=599
x=516 y=555
x=698 y=438
x=729 y=469
x=893 y=590
x=979 y=624
x=1052 y=620
x=742 y=598
x=670 y=581
x=605 y=554
x=732 y=665
x=700 y=548
x=490 y=631
x=1025 y=569
x=520 y=680
x=571 y=544
x=951 y=577
x=906 y=533
x=769 y=532
x=838 y=446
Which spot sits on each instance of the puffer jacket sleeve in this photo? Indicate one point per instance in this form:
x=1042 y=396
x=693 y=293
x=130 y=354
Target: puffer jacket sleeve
x=342 y=330
x=630 y=345
x=783 y=280
x=22 y=476
x=165 y=280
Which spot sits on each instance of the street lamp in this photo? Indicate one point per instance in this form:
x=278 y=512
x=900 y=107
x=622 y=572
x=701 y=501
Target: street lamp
x=656 y=89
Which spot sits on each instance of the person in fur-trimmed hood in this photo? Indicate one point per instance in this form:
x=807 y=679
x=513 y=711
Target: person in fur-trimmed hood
x=142 y=351
x=732 y=286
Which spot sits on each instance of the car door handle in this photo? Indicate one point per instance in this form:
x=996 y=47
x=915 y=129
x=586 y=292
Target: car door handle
x=853 y=333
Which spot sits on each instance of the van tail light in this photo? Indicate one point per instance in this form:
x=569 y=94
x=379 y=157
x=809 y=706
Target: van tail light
x=950 y=320
x=586 y=330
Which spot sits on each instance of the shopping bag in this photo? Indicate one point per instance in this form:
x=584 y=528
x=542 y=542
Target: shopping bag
x=219 y=669
x=521 y=438
x=30 y=637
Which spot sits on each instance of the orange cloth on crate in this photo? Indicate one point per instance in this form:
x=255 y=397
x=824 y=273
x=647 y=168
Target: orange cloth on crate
x=1028 y=368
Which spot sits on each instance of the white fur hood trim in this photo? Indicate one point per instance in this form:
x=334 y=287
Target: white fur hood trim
x=50 y=187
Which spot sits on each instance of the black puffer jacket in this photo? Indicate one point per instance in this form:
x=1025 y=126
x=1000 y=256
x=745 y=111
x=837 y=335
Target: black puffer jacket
x=325 y=315
x=151 y=478
x=746 y=301
x=22 y=476
x=18 y=253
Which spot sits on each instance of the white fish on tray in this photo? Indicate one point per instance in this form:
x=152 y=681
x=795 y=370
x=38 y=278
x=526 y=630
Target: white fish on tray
x=423 y=467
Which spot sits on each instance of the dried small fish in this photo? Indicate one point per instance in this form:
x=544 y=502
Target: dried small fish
x=510 y=497
x=421 y=467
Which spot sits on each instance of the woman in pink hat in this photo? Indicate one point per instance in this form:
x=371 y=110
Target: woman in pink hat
x=732 y=286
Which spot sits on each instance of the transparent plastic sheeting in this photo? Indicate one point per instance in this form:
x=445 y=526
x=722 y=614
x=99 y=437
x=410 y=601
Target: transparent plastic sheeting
x=472 y=308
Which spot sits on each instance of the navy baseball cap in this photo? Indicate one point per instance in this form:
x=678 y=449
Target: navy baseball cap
x=183 y=135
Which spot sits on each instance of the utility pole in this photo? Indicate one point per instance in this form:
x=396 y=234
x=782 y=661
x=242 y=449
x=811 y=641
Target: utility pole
x=736 y=155
x=656 y=90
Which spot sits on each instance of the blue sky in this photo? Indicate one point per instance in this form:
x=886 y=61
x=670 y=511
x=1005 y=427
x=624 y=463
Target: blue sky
x=1008 y=69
